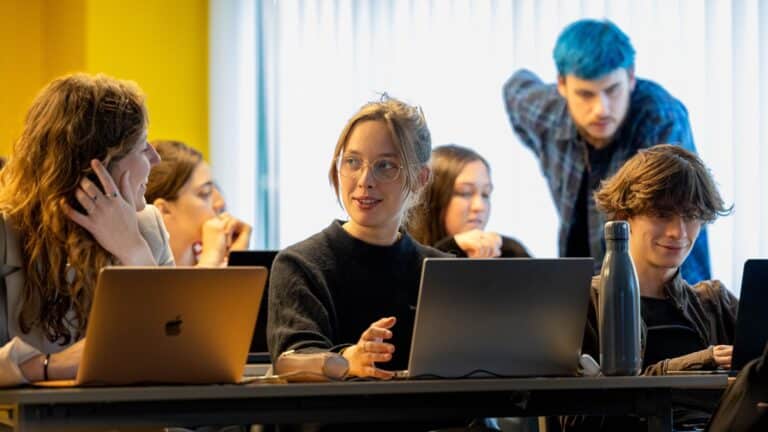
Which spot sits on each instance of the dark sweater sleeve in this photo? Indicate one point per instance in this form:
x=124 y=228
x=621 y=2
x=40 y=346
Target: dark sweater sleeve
x=449 y=245
x=511 y=248
x=300 y=308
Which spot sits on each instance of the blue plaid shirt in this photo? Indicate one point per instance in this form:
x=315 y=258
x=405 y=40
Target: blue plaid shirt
x=540 y=118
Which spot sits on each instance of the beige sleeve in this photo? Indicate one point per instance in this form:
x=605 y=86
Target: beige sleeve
x=13 y=354
x=153 y=230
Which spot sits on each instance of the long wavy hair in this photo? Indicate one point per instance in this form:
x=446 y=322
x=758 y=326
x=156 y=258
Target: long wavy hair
x=73 y=120
x=427 y=220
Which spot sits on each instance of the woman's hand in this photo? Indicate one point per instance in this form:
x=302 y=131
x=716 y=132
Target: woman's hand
x=241 y=235
x=477 y=243
x=372 y=349
x=220 y=235
x=110 y=216
x=723 y=355
x=61 y=366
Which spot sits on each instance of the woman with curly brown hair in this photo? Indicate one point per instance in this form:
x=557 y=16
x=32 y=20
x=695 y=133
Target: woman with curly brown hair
x=72 y=202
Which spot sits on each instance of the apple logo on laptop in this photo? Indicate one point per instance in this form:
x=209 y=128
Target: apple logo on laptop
x=173 y=327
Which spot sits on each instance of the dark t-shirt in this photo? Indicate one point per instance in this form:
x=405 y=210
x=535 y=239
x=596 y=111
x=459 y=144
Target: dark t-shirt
x=596 y=171
x=668 y=334
x=657 y=312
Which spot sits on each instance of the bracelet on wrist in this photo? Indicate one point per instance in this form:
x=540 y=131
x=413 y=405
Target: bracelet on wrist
x=46 y=361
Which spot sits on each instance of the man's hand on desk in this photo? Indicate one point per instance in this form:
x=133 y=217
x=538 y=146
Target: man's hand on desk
x=372 y=349
x=61 y=366
x=723 y=355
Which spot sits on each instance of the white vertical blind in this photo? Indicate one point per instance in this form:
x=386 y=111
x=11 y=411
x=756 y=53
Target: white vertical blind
x=232 y=98
x=451 y=57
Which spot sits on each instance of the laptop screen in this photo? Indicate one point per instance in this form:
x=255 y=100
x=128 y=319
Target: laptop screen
x=751 y=321
x=505 y=317
x=259 y=353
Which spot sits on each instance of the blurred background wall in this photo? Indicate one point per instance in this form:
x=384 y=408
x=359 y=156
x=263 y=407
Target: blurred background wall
x=162 y=45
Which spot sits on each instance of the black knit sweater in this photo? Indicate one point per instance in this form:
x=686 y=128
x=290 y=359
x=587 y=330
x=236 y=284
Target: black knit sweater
x=326 y=290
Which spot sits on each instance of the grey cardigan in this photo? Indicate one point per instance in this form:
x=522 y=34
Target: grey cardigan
x=23 y=346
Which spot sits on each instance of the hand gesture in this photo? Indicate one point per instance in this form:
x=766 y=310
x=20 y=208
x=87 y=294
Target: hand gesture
x=477 y=243
x=241 y=235
x=110 y=216
x=220 y=235
x=723 y=355
x=372 y=349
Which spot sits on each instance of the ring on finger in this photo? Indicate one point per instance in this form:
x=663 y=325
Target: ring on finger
x=94 y=197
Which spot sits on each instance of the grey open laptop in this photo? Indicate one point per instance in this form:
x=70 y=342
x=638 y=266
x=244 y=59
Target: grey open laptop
x=500 y=317
x=170 y=325
x=752 y=320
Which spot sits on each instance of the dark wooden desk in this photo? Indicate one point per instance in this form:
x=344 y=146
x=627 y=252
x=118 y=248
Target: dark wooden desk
x=426 y=400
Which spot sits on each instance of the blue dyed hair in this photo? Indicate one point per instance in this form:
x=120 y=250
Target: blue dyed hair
x=590 y=49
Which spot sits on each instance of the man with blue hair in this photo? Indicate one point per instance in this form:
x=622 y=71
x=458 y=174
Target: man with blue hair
x=587 y=125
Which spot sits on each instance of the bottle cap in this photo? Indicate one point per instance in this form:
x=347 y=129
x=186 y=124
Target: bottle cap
x=617 y=230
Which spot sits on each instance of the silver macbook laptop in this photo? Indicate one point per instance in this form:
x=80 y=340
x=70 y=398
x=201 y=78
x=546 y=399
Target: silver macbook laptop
x=500 y=317
x=259 y=353
x=170 y=325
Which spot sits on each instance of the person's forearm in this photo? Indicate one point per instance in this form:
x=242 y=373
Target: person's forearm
x=32 y=369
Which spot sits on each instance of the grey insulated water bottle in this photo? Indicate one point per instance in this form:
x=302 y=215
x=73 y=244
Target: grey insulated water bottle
x=619 y=308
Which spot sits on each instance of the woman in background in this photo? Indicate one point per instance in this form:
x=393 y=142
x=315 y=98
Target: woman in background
x=72 y=202
x=193 y=210
x=456 y=207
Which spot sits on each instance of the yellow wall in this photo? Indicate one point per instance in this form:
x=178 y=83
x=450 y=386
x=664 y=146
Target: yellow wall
x=163 y=46
x=63 y=38
x=20 y=64
x=160 y=44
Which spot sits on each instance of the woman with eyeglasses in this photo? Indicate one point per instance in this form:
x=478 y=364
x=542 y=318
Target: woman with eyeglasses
x=352 y=288
x=181 y=187
x=456 y=206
